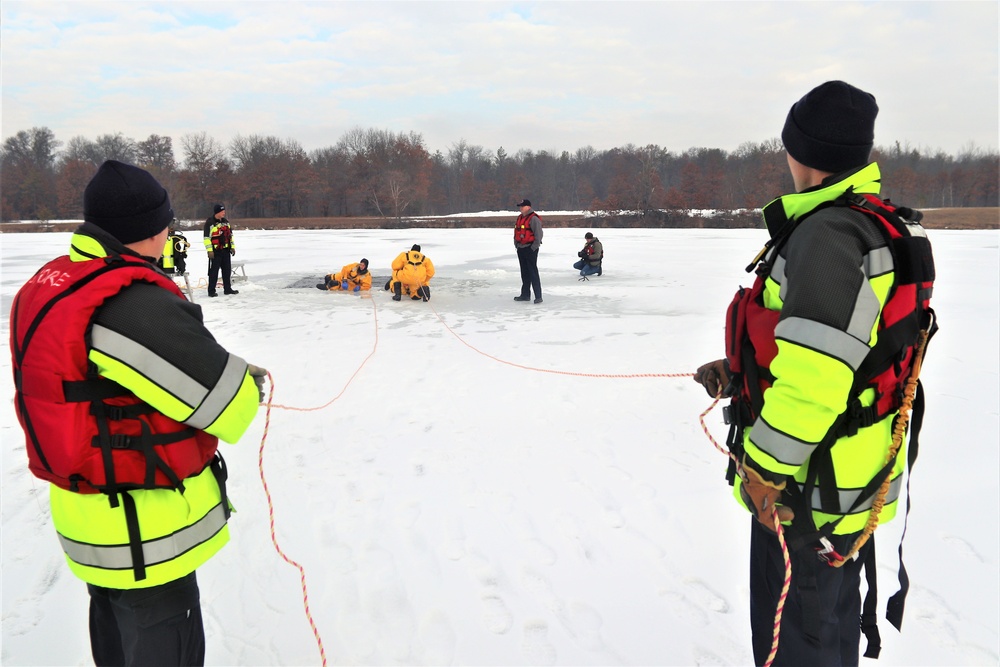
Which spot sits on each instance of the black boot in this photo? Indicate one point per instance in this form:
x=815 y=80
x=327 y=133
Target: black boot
x=398 y=289
x=426 y=292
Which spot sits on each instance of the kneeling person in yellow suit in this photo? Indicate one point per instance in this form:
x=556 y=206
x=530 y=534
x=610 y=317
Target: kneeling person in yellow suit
x=351 y=278
x=411 y=273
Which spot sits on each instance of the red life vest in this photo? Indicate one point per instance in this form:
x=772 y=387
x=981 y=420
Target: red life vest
x=522 y=228
x=85 y=433
x=751 y=347
x=222 y=236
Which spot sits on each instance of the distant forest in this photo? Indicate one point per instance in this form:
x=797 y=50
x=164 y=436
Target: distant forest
x=371 y=172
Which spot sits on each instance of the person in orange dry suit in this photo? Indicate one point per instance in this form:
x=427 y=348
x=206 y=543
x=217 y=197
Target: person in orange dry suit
x=411 y=273
x=352 y=278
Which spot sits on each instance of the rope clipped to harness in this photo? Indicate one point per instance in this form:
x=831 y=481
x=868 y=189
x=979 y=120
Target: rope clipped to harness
x=898 y=436
x=779 y=531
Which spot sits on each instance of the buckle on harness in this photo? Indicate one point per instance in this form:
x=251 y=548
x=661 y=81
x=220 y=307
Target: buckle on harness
x=857 y=417
x=120 y=441
x=828 y=554
x=727 y=415
x=114 y=412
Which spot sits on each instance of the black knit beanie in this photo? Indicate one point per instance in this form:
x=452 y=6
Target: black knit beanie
x=832 y=128
x=415 y=248
x=127 y=202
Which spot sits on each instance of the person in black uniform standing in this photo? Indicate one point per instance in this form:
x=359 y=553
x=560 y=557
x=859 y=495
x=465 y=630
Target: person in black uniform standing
x=220 y=247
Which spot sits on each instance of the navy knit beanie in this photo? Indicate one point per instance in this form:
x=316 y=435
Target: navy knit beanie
x=832 y=128
x=127 y=202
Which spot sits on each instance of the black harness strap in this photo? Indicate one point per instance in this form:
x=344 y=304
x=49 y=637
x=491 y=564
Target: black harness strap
x=808 y=590
x=134 y=536
x=153 y=460
x=103 y=440
x=94 y=388
x=894 y=608
x=869 y=610
x=221 y=475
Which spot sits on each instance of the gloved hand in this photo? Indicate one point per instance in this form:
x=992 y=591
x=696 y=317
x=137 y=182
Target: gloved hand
x=258 y=374
x=713 y=376
x=232 y=251
x=580 y=254
x=357 y=288
x=761 y=491
x=344 y=285
x=211 y=254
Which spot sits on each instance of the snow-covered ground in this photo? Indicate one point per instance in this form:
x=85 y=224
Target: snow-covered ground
x=475 y=481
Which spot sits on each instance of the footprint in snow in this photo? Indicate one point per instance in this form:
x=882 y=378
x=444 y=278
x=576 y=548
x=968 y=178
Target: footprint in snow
x=496 y=616
x=704 y=596
x=584 y=622
x=535 y=646
x=436 y=639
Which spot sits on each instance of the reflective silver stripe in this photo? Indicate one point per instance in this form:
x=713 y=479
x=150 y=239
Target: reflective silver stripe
x=848 y=496
x=221 y=395
x=866 y=309
x=148 y=364
x=878 y=262
x=826 y=339
x=783 y=447
x=160 y=550
x=915 y=228
x=778 y=276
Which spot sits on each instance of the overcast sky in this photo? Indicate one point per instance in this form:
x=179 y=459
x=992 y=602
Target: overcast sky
x=522 y=75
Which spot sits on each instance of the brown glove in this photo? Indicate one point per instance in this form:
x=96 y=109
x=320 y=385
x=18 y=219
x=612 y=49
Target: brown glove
x=713 y=376
x=761 y=491
x=211 y=254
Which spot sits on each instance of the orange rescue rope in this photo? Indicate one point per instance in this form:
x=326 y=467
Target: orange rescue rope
x=776 y=633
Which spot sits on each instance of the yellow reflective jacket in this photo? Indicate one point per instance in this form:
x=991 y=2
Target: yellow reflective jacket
x=829 y=283
x=149 y=344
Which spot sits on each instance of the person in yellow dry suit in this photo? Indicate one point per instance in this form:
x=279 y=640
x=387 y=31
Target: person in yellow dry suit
x=352 y=278
x=411 y=273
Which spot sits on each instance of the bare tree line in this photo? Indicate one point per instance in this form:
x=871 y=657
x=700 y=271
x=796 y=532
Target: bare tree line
x=373 y=172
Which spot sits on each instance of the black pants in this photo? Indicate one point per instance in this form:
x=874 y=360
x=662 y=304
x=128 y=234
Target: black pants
x=839 y=609
x=223 y=260
x=528 y=259
x=158 y=626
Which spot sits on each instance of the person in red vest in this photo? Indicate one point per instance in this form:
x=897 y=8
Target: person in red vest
x=818 y=353
x=527 y=239
x=123 y=395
